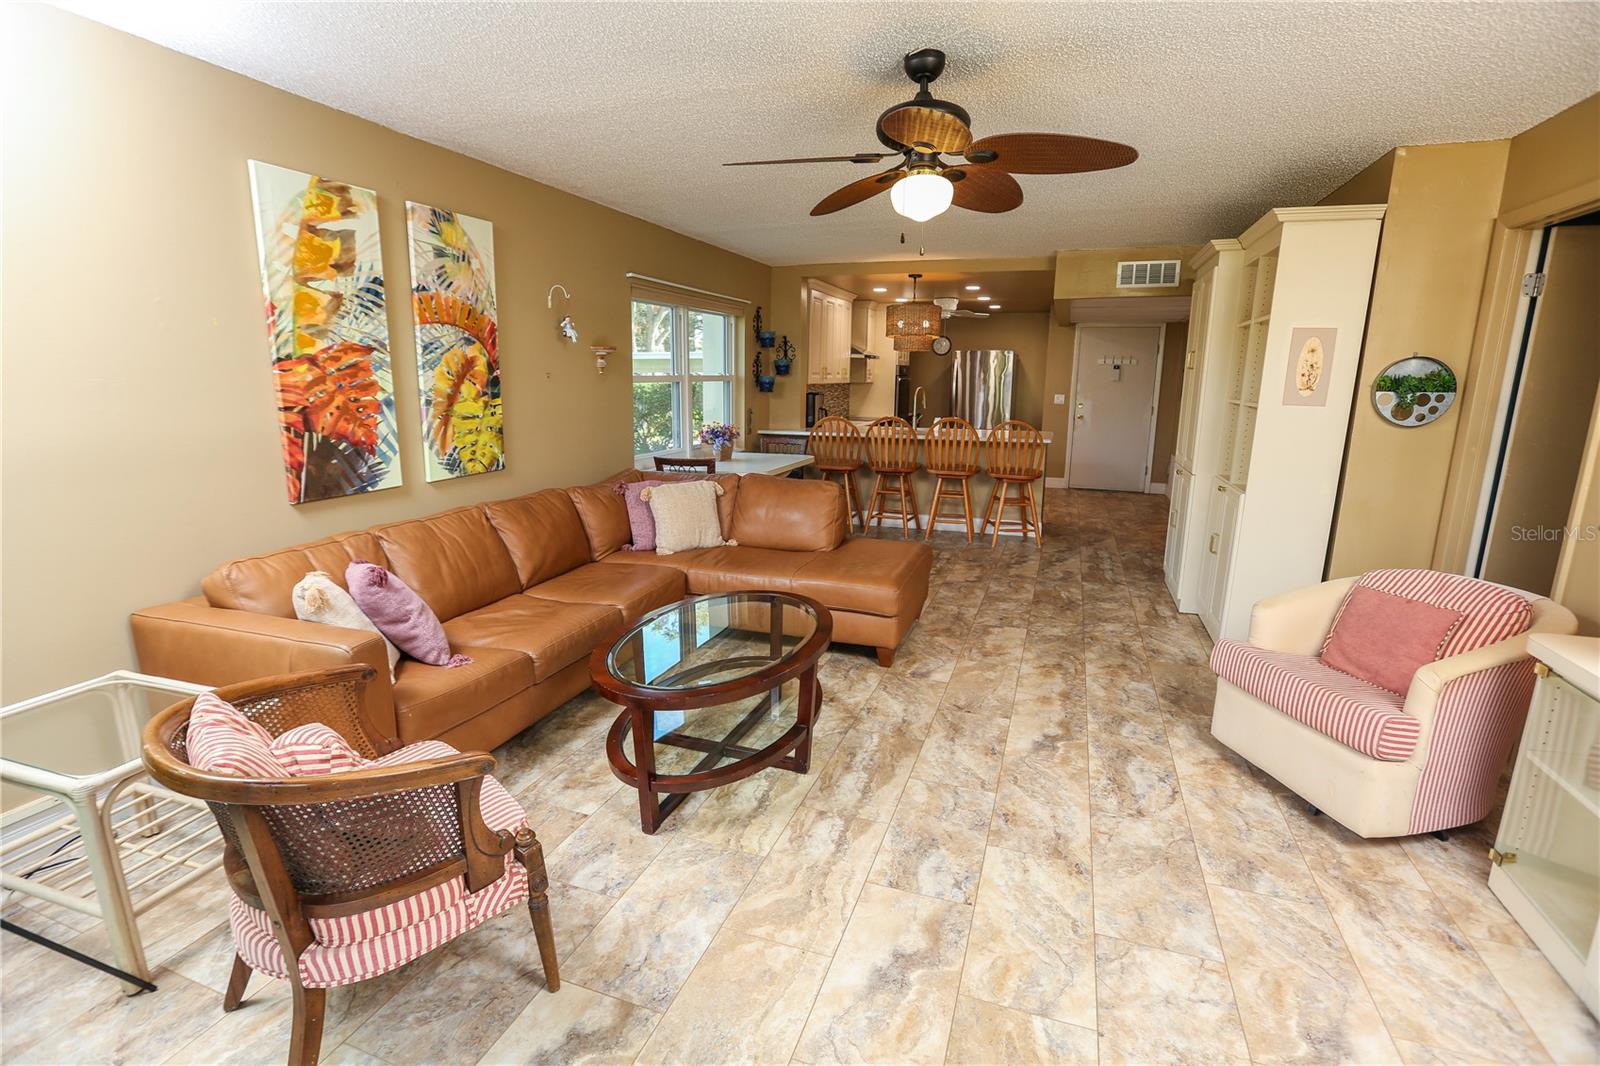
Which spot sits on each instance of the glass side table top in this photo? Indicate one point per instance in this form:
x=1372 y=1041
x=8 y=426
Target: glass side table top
x=711 y=640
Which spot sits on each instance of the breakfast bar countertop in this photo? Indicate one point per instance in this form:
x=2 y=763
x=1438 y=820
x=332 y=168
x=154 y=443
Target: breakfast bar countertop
x=922 y=431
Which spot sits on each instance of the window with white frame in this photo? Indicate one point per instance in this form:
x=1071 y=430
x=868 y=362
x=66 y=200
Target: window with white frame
x=683 y=373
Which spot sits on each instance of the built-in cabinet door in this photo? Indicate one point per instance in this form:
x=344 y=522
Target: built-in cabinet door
x=1194 y=360
x=1178 y=483
x=1221 y=523
x=816 y=338
x=841 y=346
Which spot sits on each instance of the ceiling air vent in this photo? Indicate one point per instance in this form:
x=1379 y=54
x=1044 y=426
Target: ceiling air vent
x=1148 y=274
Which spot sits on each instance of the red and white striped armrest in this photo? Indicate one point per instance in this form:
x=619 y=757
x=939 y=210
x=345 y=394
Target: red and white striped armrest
x=1472 y=707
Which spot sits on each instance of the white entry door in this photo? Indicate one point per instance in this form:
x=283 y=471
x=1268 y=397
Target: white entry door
x=1114 y=407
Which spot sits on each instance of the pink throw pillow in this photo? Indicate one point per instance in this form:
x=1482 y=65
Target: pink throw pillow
x=221 y=740
x=640 y=520
x=400 y=614
x=1385 y=639
x=313 y=750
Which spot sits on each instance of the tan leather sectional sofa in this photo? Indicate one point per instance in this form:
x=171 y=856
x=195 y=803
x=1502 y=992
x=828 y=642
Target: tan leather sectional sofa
x=527 y=587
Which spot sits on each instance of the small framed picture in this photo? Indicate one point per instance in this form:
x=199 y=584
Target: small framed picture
x=1310 y=366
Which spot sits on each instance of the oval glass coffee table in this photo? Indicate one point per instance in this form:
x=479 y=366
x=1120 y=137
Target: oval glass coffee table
x=713 y=689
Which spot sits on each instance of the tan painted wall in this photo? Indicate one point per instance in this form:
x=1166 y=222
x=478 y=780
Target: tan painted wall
x=1166 y=440
x=1085 y=273
x=1025 y=333
x=1371 y=186
x=1578 y=575
x=1553 y=165
x=1436 y=235
x=140 y=448
x=1062 y=349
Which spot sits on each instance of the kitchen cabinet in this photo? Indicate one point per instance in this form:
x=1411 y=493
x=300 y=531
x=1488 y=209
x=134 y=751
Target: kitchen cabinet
x=1264 y=457
x=827 y=337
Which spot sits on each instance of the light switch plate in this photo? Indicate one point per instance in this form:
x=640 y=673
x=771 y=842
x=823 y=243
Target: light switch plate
x=1061 y=399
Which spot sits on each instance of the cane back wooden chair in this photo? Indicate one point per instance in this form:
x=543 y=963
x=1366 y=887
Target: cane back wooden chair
x=892 y=458
x=1016 y=459
x=353 y=874
x=835 y=447
x=951 y=454
x=686 y=464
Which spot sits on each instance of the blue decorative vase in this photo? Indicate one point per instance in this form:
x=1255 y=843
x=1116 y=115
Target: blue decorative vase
x=767 y=338
x=765 y=382
x=782 y=365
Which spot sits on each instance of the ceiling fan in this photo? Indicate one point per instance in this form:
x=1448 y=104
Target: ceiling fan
x=948 y=308
x=924 y=128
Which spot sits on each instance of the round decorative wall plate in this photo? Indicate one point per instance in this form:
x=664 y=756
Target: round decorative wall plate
x=1413 y=392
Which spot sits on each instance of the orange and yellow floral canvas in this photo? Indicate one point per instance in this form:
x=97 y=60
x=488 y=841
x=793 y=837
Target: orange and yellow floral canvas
x=322 y=272
x=458 y=361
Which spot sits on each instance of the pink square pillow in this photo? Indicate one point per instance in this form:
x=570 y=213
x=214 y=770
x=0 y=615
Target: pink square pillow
x=1385 y=639
x=640 y=520
x=400 y=614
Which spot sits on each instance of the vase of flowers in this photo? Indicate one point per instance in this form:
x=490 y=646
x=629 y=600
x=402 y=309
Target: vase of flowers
x=718 y=438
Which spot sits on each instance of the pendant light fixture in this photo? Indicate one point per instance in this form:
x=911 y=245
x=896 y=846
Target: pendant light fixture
x=922 y=194
x=915 y=323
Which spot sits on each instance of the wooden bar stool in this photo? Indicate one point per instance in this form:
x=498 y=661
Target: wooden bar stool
x=1016 y=457
x=835 y=447
x=892 y=457
x=951 y=452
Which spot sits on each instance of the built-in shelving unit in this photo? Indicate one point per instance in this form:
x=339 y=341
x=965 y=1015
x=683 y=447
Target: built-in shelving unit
x=1257 y=474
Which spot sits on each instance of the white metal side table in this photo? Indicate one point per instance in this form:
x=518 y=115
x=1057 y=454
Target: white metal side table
x=124 y=843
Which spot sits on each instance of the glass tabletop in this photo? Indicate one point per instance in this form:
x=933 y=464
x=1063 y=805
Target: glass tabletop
x=711 y=640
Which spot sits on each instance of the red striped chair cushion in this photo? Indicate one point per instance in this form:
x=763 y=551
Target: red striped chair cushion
x=1489 y=613
x=1356 y=713
x=221 y=740
x=313 y=750
x=359 y=946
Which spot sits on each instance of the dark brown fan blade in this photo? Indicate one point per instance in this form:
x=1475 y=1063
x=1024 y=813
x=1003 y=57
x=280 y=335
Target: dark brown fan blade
x=857 y=191
x=988 y=189
x=859 y=157
x=1052 y=153
x=927 y=128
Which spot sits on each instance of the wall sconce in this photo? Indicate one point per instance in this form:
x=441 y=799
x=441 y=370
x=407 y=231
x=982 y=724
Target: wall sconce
x=601 y=352
x=568 y=328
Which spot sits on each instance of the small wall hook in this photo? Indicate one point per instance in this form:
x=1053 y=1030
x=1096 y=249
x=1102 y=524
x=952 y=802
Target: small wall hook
x=550 y=297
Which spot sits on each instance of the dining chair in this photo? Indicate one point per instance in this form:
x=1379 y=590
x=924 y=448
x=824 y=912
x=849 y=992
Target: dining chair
x=835 y=447
x=1016 y=459
x=892 y=458
x=338 y=877
x=951 y=456
x=686 y=464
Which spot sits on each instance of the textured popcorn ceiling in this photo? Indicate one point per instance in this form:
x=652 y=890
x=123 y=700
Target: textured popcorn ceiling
x=1234 y=107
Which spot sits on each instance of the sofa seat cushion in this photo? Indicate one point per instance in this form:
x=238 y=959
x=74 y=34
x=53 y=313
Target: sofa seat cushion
x=552 y=635
x=1356 y=713
x=429 y=700
x=735 y=568
x=881 y=577
x=633 y=590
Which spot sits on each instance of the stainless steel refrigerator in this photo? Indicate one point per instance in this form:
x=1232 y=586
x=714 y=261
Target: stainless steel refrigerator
x=981 y=383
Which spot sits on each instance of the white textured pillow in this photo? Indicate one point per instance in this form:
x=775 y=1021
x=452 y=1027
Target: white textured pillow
x=319 y=598
x=686 y=515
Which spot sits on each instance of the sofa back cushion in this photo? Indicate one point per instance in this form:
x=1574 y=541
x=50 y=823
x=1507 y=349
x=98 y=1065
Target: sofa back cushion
x=604 y=512
x=264 y=584
x=455 y=560
x=1490 y=613
x=789 y=515
x=543 y=533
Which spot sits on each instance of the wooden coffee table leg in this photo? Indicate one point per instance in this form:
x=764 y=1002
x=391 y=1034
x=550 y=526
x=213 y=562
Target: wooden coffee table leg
x=644 y=762
x=806 y=715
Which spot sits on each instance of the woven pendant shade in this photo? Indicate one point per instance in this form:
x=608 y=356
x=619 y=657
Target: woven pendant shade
x=914 y=344
x=917 y=318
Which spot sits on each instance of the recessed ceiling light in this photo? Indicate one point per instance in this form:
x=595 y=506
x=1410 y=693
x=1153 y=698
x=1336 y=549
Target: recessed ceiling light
x=879 y=288
x=994 y=307
x=900 y=299
x=983 y=299
x=974 y=288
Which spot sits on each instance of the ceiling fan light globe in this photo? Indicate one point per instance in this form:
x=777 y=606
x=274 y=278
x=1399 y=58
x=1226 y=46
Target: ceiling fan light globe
x=920 y=197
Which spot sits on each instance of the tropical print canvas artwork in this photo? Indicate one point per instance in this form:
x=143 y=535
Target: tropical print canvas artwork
x=458 y=363
x=322 y=270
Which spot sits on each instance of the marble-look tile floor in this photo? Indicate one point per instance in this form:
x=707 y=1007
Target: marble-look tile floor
x=1019 y=844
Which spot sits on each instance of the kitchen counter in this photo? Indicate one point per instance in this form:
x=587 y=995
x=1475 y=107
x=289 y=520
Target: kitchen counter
x=863 y=423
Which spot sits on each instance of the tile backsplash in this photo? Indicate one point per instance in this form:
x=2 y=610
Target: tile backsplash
x=836 y=398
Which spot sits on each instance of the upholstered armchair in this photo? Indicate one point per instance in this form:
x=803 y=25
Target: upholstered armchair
x=342 y=876
x=1380 y=762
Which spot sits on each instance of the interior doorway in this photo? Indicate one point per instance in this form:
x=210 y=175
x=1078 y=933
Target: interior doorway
x=1114 y=407
x=1548 y=399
